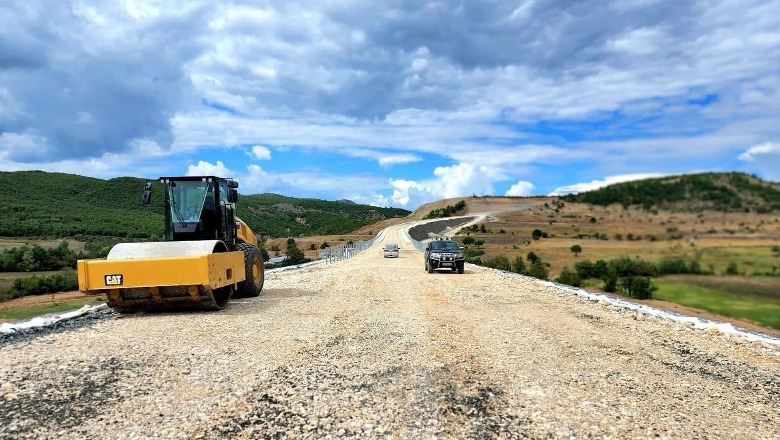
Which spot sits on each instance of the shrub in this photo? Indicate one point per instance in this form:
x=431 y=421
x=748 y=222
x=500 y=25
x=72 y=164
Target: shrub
x=584 y=269
x=636 y=287
x=499 y=262
x=518 y=265
x=626 y=266
x=35 y=285
x=532 y=257
x=732 y=269
x=600 y=269
x=537 y=234
x=610 y=280
x=672 y=265
x=472 y=255
x=538 y=270
x=569 y=277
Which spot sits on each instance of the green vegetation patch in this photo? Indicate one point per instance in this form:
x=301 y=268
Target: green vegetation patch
x=40 y=204
x=725 y=297
x=726 y=192
x=55 y=306
x=447 y=211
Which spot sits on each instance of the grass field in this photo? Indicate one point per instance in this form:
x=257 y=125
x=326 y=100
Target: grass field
x=54 y=306
x=751 y=299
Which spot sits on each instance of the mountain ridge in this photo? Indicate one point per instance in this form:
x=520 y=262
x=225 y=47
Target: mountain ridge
x=62 y=205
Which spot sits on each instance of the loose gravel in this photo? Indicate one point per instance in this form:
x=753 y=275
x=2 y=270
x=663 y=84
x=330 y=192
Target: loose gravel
x=378 y=348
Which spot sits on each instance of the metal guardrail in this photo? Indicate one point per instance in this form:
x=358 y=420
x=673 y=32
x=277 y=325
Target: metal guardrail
x=346 y=251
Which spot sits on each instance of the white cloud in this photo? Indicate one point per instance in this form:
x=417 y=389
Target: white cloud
x=260 y=152
x=255 y=181
x=501 y=89
x=397 y=159
x=760 y=152
x=458 y=180
x=204 y=168
x=596 y=184
x=463 y=179
x=29 y=140
x=520 y=189
x=764 y=157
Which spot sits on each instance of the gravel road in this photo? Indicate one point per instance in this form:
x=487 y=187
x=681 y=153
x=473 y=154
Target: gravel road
x=378 y=348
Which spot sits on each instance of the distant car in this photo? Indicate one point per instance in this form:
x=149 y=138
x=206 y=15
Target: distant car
x=444 y=254
x=391 y=250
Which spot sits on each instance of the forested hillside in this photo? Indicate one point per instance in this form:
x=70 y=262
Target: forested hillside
x=727 y=192
x=40 y=204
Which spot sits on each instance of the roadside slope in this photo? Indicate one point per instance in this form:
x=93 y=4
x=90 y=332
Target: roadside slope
x=372 y=347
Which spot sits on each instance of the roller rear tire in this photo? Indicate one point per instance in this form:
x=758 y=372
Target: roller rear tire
x=255 y=272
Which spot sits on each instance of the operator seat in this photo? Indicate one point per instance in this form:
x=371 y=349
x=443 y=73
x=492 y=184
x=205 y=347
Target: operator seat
x=208 y=218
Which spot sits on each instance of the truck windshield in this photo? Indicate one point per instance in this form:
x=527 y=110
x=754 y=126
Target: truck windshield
x=444 y=246
x=189 y=199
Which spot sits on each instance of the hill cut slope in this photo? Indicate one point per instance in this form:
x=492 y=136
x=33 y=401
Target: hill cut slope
x=373 y=347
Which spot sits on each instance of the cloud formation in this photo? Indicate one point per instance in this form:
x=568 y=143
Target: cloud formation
x=426 y=98
x=596 y=184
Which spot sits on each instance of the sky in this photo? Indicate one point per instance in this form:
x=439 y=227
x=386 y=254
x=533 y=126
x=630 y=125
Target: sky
x=391 y=103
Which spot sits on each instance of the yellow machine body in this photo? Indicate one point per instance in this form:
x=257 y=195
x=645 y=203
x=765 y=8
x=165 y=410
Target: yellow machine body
x=245 y=234
x=164 y=275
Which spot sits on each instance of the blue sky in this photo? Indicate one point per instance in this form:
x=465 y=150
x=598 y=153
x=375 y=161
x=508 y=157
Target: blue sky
x=393 y=103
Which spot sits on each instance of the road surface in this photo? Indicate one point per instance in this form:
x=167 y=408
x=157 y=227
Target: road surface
x=378 y=348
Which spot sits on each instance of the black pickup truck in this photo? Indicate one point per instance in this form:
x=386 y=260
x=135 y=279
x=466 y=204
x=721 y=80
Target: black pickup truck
x=443 y=254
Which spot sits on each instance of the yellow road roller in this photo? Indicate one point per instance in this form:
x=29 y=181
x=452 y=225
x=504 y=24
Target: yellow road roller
x=209 y=255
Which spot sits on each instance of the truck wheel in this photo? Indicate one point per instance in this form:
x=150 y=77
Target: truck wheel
x=254 y=271
x=460 y=268
x=430 y=267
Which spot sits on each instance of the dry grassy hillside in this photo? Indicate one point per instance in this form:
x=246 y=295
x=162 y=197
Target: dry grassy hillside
x=608 y=232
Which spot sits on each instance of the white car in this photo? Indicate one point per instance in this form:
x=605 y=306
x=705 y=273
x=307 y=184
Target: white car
x=391 y=250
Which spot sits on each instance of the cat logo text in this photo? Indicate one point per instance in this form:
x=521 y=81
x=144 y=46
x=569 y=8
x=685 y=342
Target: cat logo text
x=113 y=280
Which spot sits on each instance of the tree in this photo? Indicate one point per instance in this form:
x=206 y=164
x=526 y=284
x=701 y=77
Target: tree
x=294 y=255
x=532 y=257
x=518 y=265
x=537 y=234
x=569 y=277
x=538 y=270
x=732 y=269
x=499 y=262
x=576 y=250
x=482 y=228
x=468 y=241
x=584 y=269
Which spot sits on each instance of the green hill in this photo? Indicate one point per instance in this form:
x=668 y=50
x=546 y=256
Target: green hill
x=726 y=192
x=40 y=204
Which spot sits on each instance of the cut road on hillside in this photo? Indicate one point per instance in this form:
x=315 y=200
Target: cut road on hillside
x=374 y=347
